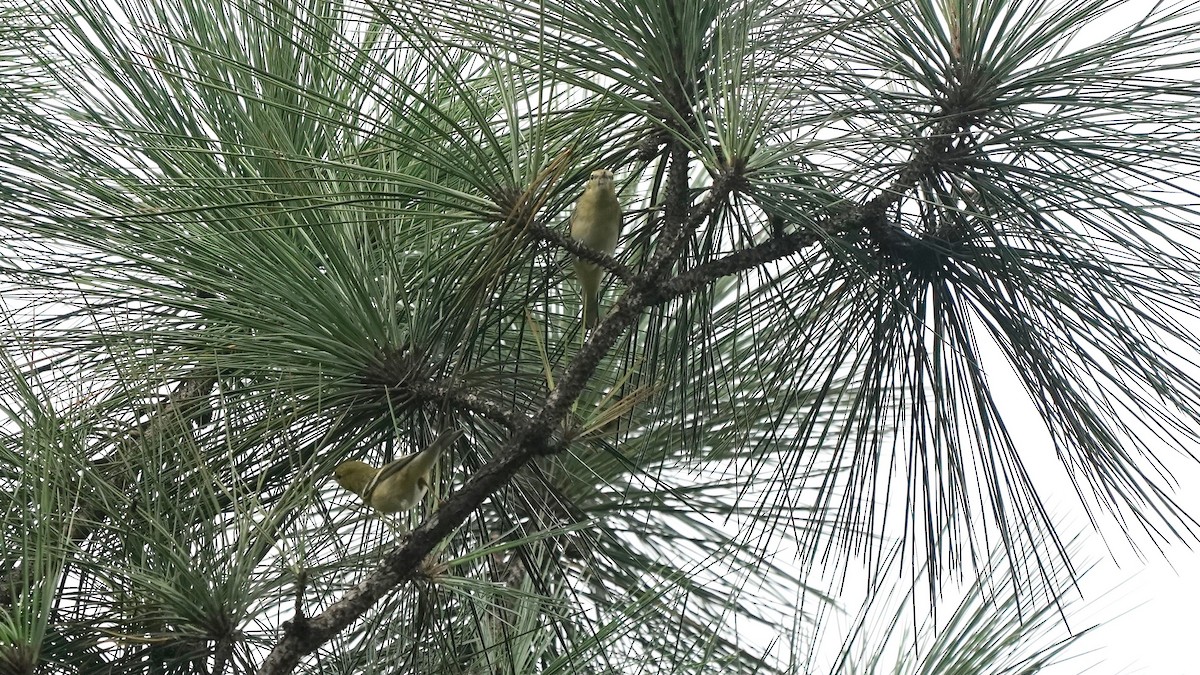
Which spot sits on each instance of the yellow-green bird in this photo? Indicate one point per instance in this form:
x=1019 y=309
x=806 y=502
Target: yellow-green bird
x=595 y=223
x=399 y=485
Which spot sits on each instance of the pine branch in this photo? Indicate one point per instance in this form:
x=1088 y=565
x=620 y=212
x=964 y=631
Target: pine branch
x=530 y=439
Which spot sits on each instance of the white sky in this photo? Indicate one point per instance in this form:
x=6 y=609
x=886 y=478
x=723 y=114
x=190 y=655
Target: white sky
x=1148 y=605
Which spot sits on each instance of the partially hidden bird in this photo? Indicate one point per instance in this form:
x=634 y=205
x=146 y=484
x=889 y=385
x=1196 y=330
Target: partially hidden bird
x=596 y=223
x=398 y=485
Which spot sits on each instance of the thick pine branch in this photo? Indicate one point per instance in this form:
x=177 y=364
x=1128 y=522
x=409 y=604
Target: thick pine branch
x=579 y=250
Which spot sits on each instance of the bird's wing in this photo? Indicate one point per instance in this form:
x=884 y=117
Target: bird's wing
x=443 y=441
x=385 y=472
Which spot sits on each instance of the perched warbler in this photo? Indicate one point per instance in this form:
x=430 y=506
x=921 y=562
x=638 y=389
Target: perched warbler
x=399 y=485
x=596 y=222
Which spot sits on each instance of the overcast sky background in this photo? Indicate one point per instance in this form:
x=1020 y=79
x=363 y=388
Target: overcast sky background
x=1150 y=606
x=1147 y=605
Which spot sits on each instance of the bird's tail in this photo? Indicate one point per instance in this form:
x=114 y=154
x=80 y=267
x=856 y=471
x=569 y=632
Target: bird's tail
x=443 y=441
x=422 y=461
x=591 y=309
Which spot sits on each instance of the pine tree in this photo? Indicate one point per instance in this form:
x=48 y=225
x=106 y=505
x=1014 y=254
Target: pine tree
x=245 y=242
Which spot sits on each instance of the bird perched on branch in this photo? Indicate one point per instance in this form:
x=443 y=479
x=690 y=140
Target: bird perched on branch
x=399 y=485
x=595 y=223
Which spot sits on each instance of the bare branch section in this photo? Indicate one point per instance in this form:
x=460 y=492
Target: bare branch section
x=771 y=250
x=676 y=223
x=465 y=399
x=869 y=217
x=560 y=240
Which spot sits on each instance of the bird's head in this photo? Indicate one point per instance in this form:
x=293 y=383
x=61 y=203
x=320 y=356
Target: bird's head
x=353 y=474
x=602 y=179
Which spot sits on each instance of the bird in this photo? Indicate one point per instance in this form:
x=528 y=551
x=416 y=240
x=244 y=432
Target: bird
x=596 y=223
x=399 y=485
